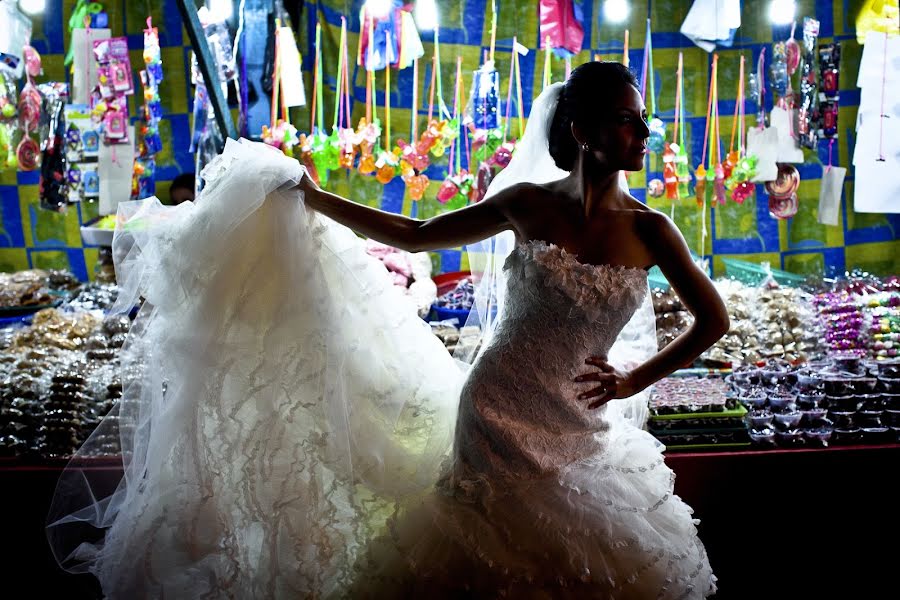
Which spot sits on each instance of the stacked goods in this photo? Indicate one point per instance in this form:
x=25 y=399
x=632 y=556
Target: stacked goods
x=696 y=412
x=58 y=379
x=741 y=345
x=672 y=318
x=785 y=322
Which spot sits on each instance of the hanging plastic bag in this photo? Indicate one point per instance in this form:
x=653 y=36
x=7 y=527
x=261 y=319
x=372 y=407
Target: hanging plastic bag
x=830 y=194
x=410 y=43
x=15 y=34
x=712 y=22
x=562 y=26
x=788 y=151
x=763 y=143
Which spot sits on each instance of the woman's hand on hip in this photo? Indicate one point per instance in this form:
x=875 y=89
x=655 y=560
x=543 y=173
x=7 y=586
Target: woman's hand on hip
x=613 y=383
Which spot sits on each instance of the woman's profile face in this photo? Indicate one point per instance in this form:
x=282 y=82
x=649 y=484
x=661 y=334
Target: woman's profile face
x=620 y=135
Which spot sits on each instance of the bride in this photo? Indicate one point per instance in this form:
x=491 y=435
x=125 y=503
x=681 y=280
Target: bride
x=291 y=429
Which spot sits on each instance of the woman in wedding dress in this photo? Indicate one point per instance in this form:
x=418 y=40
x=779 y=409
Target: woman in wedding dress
x=291 y=428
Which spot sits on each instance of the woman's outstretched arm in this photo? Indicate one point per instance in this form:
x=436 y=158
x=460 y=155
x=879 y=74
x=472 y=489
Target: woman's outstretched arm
x=449 y=230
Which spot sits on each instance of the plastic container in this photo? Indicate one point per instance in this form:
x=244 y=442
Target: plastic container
x=754 y=274
x=96 y=236
x=446 y=282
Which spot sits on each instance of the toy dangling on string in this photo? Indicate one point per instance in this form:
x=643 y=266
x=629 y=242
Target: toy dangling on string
x=8 y=118
x=282 y=134
x=740 y=168
x=413 y=162
x=455 y=190
x=389 y=40
x=85 y=14
x=387 y=159
x=347 y=139
x=670 y=151
x=28 y=152
x=143 y=181
x=494 y=154
x=676 y=170
x=368 y=130
x=682 y=159
x=657 y=140
x=808 y=109
x=703 y=190
x=440 y=132
x=314 y=145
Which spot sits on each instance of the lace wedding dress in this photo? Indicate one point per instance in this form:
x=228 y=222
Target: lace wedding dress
x=292 y=429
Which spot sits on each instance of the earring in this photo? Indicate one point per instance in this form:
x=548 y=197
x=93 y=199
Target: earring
x=585 y=147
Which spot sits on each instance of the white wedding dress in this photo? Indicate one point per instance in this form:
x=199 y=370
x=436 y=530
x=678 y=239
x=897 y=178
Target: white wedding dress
x=292 y=429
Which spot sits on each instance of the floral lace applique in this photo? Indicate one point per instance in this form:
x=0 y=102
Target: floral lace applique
x=594 y=288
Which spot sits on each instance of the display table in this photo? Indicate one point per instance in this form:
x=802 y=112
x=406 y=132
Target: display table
x=777 y=523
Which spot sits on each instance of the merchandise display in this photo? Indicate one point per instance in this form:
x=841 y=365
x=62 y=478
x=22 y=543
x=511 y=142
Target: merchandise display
x=840 y=401
x=742 y=343
x=672 y=318
x=410 y=272
x=770 y=142
x=59 y=376
x=387 y=61
x=696 y=412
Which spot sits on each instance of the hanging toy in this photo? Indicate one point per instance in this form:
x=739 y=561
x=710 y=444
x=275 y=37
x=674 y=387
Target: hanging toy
x=306 y=157
x=503 y=155
x=778 y=70
x=449 y=188
x=705 y=174
x=27 y=154
x=483 y=178
x=792 y=51
x=656 y=188
x=808 y=109
x=657 y=139
x=739 y=183
x=719 y=183
x=739 y=168
x=670 y=176
x=387 y=165
x=783 y=202
x=484 y=103
x=700 y=185
x=829 y=63
x=683 y=172
x=417 y=186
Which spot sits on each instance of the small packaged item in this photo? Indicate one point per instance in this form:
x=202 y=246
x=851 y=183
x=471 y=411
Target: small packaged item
x=90 y=181
x=115 y=125
x=829 y=67
x=112 y=53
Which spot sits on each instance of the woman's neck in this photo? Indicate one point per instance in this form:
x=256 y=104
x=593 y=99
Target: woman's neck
x=596 y=189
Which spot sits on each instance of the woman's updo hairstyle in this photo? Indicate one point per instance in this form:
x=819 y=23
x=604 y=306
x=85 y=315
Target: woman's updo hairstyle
x=584 y=99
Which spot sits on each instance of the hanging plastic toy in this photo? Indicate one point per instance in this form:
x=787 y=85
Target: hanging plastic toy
x=808 y=109
x=829 y=66
x=780 y=81
x=739 y=168
x=783 y=202
x=670 y=176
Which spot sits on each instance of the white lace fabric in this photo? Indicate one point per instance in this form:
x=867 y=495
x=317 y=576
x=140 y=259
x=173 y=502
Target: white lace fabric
x=296 y=431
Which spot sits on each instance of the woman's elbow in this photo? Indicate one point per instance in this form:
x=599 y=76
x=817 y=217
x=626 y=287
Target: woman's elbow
x=719 y=324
